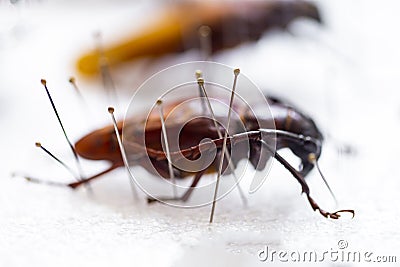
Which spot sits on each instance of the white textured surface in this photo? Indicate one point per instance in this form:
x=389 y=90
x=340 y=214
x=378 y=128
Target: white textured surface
x=346 y=78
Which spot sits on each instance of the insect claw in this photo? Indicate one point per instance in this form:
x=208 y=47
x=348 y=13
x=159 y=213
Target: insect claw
x=334 y=216
x=328 y=214
x=346 y=211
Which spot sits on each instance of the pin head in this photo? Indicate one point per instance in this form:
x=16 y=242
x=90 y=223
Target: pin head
x=38 y=144
x=43 y=81
x=72 y=80
x=198 y=74
x=204 y=31
x=111 y=110
x=236 y=72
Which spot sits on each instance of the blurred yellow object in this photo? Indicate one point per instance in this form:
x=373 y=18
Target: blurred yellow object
x=176 y=29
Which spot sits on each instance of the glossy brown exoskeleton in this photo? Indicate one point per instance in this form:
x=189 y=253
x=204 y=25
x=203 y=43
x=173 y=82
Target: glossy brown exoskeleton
x=294 y=130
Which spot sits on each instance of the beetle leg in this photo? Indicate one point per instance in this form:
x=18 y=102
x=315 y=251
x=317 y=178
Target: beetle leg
x=333 y=215
x=81 y=182
x=71 y=185
x=185 y=196
x=194 y=151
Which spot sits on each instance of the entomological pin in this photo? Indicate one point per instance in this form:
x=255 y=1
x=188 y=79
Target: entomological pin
x=294 y=130
x=219 y=24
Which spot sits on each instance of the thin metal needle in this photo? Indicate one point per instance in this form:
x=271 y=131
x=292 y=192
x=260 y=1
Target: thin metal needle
x=88 y=113
x=72 y=81
x=199 y=75
x=200 y=81
x=123 y=154
x=38 y=144
x=82 y=177
x=236 y=73
x=313 y=159
x=205 y=42
x=164 y=133
x=106 y=77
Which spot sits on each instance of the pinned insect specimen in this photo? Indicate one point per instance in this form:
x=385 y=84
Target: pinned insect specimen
x=293 y=130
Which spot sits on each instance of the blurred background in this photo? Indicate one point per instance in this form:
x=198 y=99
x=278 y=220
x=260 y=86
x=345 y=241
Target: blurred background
x=340 y=67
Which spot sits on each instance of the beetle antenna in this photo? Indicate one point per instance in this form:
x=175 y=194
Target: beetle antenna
x=123 y=154
x=39 y=145
x=164 y=133
x=313 y=159
x=106 y=77
x=236 y=73
x=44 y=83
x=205 y=42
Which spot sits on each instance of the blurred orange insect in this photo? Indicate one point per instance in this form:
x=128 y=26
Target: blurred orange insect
x=221 y=25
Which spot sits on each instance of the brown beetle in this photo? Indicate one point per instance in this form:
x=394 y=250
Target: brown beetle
x=294 y=130
x=226 y=24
